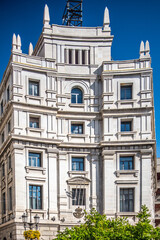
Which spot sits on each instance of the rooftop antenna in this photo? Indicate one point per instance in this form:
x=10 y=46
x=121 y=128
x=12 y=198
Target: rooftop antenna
x=72 y=15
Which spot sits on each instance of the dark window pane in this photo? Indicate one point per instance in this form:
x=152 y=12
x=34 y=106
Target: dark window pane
x=126 y=126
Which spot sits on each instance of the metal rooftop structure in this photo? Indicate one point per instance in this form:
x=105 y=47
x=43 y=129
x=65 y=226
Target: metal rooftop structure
x=72 y=15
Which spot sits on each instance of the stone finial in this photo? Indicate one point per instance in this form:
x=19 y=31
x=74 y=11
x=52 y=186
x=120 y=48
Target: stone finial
x=142 y=49
x=46 y=17
x=14 y=42
x=147 y=49
x=18 y=42
x=30 y=49
x=106 y=20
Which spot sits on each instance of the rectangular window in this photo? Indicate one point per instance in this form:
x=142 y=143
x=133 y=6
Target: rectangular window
x=126 y=200
x=9 y=162
x=8 y=94
x=2 y=107
x=35 y=197
x=126 y=92
x=33 y=88
x=3 y=203
x=34 y=159
x=3 y=170
x=126 y=126
x=77 y=164
x=126 y=163
x=10 y=199
x=2 y=137
x=77 y=128
x=34 y=122
x=78 y=196
x=70 y=56
x=9 y=126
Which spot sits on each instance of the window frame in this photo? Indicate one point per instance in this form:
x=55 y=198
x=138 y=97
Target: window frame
x=34 y=117
x=10 y=205
x=33 y=84
x=9 y=162
x=126 y=121
x=127 y=156
x=2 y=107
x=8 y=94
x=80 y=128
x=78 y=96
x=40 y=160
x=122 y=203
x=124 y=87
x=79 y=167
x=31 y=198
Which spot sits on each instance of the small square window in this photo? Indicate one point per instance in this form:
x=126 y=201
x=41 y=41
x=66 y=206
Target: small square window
x=33 y=88
x=78 y=196
x=126 y=126
x=126 y=200
x=77 y=164
x=126 y=92
x=77 y=128
x=126 y=163
x=34 y=122
x=34 y=159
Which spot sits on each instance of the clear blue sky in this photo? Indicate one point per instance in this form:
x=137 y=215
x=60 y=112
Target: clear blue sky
x=131 y=22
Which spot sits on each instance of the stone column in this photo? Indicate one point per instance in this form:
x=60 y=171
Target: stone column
x=86 y=57
x=67 y=56
x=80 y=57
x=62 y=185
x=73 y=56
x=109 y=196
x=94 y=181
x=52 y=155
x=146 y=184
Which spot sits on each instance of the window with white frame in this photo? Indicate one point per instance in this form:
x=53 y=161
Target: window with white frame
x=126 y=199
x=78 y=196
x=33 y=88
x=34 y=159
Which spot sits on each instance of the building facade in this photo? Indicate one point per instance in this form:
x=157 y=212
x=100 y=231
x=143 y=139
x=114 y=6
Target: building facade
x=77 y=130
x=157 y=200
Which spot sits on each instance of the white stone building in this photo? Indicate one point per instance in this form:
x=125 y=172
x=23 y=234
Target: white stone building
x=76 y=129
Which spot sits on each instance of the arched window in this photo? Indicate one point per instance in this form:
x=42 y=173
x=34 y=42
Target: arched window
x=76 y=96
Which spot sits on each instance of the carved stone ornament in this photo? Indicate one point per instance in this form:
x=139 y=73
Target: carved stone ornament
x=78 y=213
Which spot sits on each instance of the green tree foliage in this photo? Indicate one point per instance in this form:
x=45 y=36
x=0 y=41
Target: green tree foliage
x=98 y=227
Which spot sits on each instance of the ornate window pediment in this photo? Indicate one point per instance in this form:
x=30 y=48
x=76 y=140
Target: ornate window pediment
x=78 y=181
